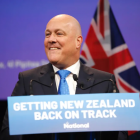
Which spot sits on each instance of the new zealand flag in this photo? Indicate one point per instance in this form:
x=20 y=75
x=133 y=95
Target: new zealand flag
x=105 y=49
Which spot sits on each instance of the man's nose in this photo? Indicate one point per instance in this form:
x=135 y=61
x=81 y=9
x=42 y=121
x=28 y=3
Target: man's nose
x=52 y=38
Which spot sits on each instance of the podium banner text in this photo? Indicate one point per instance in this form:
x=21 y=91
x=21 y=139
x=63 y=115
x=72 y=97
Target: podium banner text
x=73 y=113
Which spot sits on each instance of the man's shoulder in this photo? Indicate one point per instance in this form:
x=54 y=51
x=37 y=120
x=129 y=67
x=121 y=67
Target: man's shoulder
x=37 y=70
x=98 y=73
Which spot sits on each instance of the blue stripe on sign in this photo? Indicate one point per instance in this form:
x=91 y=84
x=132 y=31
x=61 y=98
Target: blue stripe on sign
x=92 y=136
x=55 y=136
x=132 y=76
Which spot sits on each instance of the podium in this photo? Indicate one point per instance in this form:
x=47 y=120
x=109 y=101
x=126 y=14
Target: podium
x=73 y=113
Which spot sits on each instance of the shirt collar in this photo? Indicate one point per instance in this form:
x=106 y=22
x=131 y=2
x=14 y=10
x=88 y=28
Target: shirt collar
x=74 y=69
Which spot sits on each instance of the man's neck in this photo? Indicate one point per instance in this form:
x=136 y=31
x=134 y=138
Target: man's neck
x=62 y=66
x=73 y=68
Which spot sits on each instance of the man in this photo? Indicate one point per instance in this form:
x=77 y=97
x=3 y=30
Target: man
x=62 y=42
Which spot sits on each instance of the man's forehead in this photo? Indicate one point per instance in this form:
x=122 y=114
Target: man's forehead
x=64 y=22
x=62 y=18
x=58 y=25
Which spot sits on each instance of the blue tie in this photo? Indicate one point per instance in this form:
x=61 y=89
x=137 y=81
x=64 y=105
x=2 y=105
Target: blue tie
x=63 y=86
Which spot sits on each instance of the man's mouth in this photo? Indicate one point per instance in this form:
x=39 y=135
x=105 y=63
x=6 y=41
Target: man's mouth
x=53 y=48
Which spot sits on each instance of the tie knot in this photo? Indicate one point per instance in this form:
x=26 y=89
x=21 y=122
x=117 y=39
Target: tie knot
x=63 y=73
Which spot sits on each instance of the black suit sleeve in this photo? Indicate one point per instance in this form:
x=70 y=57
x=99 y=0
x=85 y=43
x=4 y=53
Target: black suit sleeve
x=18 y=91
x=21 y=90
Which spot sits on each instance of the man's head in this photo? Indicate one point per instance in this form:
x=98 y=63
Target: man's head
x=63 y=40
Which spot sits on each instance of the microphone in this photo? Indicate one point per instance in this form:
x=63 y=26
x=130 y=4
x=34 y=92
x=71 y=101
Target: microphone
x=31 y=81
x=81 y=85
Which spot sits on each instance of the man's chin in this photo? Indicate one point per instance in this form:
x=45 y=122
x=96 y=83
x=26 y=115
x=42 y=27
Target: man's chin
x=57 y=64
x=54 y=62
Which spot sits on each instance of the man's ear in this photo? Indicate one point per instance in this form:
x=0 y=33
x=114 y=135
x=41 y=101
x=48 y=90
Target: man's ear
x=79 y=41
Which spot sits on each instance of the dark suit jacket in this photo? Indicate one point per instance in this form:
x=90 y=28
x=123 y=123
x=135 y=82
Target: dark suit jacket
x=87 y=76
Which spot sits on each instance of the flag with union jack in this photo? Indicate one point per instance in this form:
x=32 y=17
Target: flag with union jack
x=105 y=49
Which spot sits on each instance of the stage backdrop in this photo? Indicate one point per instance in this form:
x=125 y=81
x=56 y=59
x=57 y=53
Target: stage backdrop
x=22 y=26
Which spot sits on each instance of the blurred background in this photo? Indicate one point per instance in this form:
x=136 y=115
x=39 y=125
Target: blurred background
x=22 y=26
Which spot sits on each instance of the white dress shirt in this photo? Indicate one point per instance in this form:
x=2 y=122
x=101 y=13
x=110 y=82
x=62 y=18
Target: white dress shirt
x=74 y=69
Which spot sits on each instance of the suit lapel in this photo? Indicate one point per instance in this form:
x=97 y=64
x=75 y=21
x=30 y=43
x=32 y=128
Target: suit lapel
x=86 y=77
x=45 y=78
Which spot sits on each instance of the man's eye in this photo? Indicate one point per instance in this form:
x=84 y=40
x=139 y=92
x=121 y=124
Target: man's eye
x=59 y=33
x=47 y=34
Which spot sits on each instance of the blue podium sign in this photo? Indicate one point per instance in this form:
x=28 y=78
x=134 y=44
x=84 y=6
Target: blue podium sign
x=73 y=113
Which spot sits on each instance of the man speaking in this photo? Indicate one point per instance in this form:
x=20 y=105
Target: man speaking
x=63 y=75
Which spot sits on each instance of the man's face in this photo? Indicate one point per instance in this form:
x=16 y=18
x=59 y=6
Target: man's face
x=61 y=43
